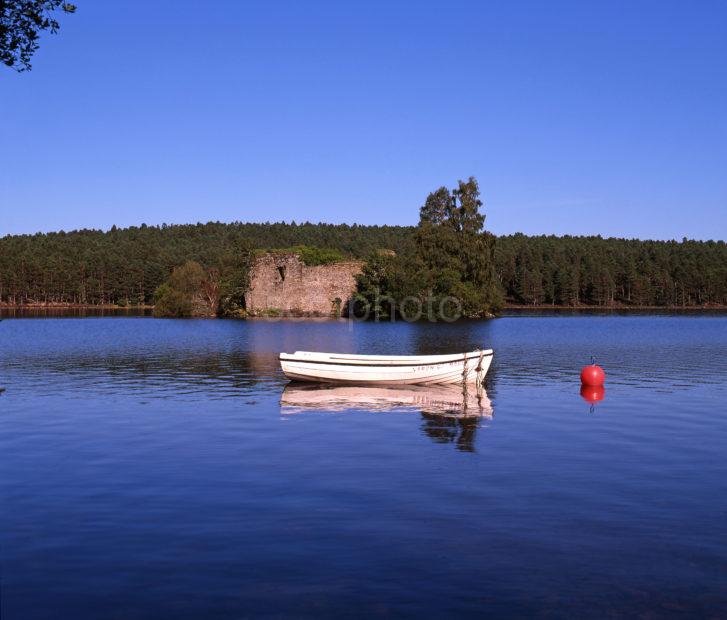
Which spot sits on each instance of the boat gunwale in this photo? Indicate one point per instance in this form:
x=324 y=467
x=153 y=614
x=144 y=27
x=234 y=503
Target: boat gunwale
x=374 y=361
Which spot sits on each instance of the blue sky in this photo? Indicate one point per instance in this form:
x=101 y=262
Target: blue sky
x=576 y=117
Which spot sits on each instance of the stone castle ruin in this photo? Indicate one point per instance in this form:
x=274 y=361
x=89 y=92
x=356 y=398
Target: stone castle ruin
x=281 y=284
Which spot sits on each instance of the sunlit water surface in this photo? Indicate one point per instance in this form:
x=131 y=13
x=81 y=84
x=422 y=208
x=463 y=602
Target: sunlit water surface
x=155 y=468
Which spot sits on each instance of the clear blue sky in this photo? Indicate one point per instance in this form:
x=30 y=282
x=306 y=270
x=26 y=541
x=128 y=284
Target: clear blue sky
x=576 y=117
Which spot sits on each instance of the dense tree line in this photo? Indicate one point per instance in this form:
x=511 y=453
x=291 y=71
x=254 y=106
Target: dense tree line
x=574 y=271
x=125 y=266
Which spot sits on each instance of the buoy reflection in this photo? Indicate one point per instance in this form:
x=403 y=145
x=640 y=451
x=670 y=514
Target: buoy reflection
x=593 y=394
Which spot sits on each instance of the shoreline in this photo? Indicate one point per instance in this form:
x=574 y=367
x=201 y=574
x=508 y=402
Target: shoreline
x=55 y=306
x=541 y=308
x=506 y=309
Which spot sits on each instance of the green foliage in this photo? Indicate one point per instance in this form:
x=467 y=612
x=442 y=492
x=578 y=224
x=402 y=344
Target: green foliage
x=320 y=256
x=188 y=279
x=192 y=289
x=309 y=255
x=175 y=298
x=385 y=284
x=234 y=278
x=172 y=303
x=21 y=22
x=450 y=266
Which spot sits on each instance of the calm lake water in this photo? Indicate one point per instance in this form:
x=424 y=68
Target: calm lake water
x=161 y=468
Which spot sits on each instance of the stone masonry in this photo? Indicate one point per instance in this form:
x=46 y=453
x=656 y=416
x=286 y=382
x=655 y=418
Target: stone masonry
x=283 y=284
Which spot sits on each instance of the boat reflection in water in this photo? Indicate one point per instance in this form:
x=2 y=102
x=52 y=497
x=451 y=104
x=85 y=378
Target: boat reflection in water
x=445 y=400
x=450 y=413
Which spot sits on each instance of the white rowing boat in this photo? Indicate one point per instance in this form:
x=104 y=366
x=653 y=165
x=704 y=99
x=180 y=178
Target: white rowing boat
x=387 y=369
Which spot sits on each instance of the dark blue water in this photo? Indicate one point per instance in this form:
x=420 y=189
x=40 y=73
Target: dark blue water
x=149 y=471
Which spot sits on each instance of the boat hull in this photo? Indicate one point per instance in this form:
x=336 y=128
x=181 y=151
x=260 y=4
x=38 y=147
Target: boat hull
x=386 y=370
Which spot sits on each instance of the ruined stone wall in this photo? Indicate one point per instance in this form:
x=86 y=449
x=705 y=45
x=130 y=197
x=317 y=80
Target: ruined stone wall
x=282 y=283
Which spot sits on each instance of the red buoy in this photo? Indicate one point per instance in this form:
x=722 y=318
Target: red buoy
x=593 y=375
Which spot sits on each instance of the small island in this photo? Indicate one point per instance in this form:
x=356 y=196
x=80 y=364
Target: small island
x=238 y=270
x=289 y=269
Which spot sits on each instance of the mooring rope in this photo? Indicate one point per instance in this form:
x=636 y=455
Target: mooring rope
x=479 y=366
x=478 y=369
